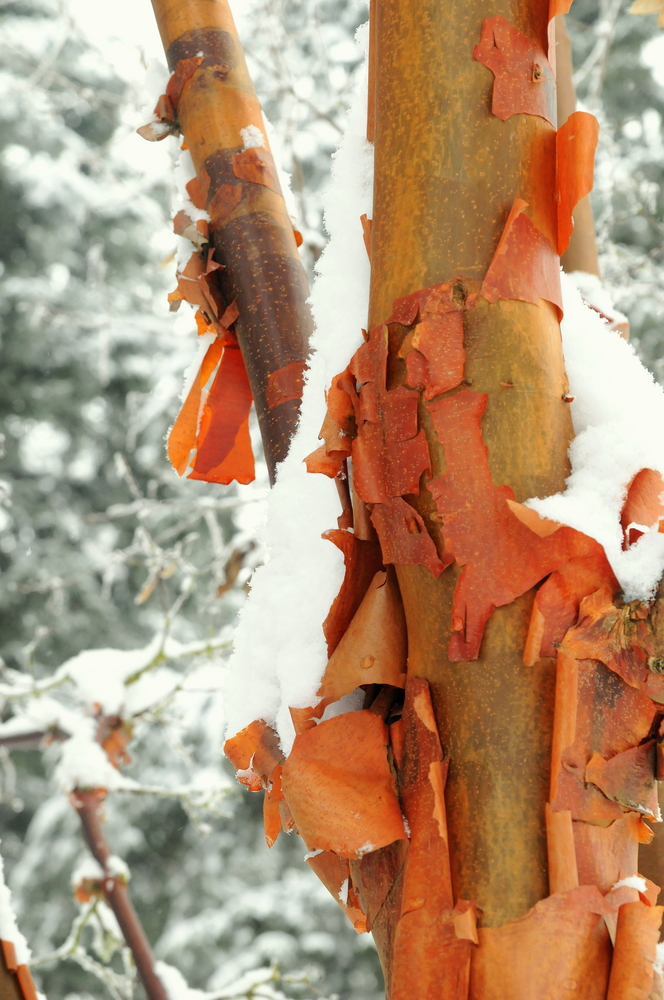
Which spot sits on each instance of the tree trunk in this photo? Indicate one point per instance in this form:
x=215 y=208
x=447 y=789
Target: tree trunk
x=249 y=225
x=479 y=821
x=446 y=176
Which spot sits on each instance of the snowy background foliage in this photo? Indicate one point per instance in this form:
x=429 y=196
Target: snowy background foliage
x=102 y=546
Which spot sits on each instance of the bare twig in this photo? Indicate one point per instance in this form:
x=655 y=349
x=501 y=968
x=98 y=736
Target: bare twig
x=87 y=803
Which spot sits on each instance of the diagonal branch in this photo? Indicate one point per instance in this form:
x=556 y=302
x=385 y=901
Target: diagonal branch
x=87 y=803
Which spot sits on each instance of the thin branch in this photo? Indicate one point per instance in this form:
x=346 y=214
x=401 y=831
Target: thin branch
x=87 y=803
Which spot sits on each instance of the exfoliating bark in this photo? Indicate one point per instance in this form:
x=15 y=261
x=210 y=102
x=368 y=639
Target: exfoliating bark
x=213 y=105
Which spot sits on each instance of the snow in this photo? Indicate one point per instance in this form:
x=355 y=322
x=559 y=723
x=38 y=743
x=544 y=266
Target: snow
x=658 y=964
x=87 y=870
x=280 y=652
x=175 y=984
x=257 y=983
x=100 y=675
x=252 y=137
x=617 y=412
x=84 y=764
x=632 y=882
x=596 y=294
x=8 y=928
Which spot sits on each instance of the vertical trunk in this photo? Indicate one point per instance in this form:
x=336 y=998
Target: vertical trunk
x=446 y=175
x=479 y=821
x=250 y=228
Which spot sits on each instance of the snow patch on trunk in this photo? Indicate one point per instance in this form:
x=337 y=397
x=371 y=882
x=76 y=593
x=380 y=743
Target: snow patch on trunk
x=618 y=413
x=280 y=651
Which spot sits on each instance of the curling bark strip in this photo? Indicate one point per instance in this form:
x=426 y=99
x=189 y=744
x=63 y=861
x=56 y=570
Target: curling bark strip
x=250 y=230
x=16 y=981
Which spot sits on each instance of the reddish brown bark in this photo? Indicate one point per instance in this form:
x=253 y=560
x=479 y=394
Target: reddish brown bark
x=87 y=803
x=255 y=253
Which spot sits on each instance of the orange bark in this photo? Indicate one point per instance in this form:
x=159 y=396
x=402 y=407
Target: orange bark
x=211 y=100
x=476 y=814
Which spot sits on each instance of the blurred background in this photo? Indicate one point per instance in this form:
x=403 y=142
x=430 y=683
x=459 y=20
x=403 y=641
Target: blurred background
x=100 y=543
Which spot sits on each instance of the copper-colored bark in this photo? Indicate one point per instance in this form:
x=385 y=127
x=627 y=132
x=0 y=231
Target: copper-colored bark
x=339 y=786
x=446 y=175
x=10 y=987
x=250 y=228
x=636 y=940
x=581 y=254
x=373 y=649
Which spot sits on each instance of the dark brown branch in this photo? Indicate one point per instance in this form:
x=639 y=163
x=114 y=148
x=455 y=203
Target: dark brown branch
x=87 y=803
x=34 y=740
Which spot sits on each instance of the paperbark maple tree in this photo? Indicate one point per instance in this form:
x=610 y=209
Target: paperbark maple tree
x=479 y=812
